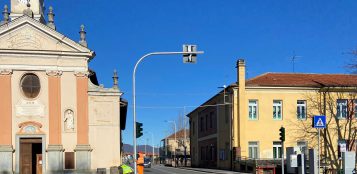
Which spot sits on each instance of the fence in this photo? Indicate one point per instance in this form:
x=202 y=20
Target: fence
x=262 y=165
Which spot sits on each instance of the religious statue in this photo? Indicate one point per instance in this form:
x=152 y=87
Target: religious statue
x=69 y=120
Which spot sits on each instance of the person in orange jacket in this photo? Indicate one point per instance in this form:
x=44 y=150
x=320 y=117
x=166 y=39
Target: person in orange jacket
x=140 y=163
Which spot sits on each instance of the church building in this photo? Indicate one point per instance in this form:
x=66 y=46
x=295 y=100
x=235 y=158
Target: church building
x=54 y=115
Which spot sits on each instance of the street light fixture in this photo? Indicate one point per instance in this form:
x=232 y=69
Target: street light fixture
x=175 y=140
x=189 y=56
x=224 y=93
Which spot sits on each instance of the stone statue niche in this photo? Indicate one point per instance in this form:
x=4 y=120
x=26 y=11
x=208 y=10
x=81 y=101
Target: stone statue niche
x=69 y=120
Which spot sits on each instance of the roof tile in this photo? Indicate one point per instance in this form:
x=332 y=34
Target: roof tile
x=303 y=80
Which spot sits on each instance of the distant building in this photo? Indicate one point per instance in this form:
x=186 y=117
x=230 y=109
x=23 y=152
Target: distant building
x=54 y=116
x=181 y=145
x=239 y=127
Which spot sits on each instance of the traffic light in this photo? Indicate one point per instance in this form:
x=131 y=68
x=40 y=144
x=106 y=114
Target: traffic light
x=139 y=130
x=189 y=58
x=282 y=134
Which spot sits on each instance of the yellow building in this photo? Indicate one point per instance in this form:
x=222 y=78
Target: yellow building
x=242 y=122
x=178 y=145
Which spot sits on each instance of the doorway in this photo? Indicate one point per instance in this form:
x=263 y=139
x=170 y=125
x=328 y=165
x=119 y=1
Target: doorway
x=31 y=155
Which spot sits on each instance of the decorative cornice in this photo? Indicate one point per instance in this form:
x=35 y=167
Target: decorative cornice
x=5 y=71
x=44 y=68
x=25 y=19
x=94 y=90
x=34 y=123
x=54 y=73
x=30 y=127
x=81 y=73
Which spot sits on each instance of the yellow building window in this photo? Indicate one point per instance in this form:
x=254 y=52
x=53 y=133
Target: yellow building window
x=301 y=109
x=253 y=109
x=253 y=149
x=276 y=149
x=277 y=109
x=342 y=108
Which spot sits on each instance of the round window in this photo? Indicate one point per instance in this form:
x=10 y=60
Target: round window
x=30 y=85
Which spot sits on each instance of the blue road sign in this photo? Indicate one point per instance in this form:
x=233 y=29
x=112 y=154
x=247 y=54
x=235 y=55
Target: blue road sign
x=319 y=121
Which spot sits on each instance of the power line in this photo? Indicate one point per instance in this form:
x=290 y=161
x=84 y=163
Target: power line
x=178 y=107
x=168 y=94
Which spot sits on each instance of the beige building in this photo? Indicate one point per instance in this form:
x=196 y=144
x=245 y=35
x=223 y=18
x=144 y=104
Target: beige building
x=240 y=125
x=179 y=145
x=54 y=116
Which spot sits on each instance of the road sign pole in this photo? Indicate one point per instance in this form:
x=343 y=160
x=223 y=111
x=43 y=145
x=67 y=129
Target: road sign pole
x=318 y=152
x=319 y=122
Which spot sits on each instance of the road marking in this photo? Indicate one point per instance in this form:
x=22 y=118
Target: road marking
x=193 y=171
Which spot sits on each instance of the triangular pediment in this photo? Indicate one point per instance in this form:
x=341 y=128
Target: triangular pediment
x=25 y=33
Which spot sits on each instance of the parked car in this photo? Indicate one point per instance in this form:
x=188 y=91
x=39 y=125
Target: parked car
x=147 y=162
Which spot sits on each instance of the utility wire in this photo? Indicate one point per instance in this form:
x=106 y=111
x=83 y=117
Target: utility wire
x=178 y=107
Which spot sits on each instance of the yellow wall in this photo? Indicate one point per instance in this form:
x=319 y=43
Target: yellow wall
x=265 y=129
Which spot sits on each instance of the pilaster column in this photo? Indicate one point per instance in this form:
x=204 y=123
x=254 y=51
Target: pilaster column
x=6 y=148
x=83 y=149
x=55 y=148
x=235 y=117
x=54 y=100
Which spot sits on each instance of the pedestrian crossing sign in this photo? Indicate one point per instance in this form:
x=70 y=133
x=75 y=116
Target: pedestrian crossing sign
x=319 y=121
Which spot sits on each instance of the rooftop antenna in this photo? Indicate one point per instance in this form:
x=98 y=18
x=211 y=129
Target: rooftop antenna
x=293 y=59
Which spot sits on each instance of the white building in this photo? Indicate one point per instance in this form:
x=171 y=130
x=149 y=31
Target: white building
x=53 y=114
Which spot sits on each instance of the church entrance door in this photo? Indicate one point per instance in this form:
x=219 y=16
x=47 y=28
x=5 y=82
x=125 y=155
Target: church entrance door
x=31 y=156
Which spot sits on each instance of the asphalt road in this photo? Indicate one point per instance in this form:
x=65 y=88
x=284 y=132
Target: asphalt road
x=159 y=169
x=168 y=170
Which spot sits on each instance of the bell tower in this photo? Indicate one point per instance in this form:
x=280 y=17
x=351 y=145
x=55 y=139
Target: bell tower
x=18 y=8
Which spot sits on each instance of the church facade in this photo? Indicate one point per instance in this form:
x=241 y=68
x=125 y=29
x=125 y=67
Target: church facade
x=54 y=116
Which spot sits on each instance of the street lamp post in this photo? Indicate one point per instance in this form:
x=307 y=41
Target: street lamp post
x=189 y=52
x=146 y=143
x=175 y=141
x=185 y=137
x=153 y=151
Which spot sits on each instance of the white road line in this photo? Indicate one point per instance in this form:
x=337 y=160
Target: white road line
x=191 y=170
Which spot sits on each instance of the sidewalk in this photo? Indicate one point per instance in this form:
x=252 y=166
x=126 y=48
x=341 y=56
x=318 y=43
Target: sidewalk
x=210 y=170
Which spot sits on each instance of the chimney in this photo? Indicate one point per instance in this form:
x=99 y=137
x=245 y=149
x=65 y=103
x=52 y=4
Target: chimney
x=241 y=73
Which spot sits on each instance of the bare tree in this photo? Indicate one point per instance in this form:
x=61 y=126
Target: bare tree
x=341 y=122
x=181 y=123
x=183 y=136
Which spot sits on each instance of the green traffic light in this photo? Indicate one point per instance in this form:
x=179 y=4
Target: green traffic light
x=282 y=134
x=139 y=130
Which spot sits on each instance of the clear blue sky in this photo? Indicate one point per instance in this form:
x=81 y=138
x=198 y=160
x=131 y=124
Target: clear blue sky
x=265 y=33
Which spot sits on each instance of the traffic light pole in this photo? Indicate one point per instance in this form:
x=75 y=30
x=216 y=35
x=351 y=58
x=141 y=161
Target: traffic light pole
x=282 y=157
x=134 y=91
x=282 y=139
